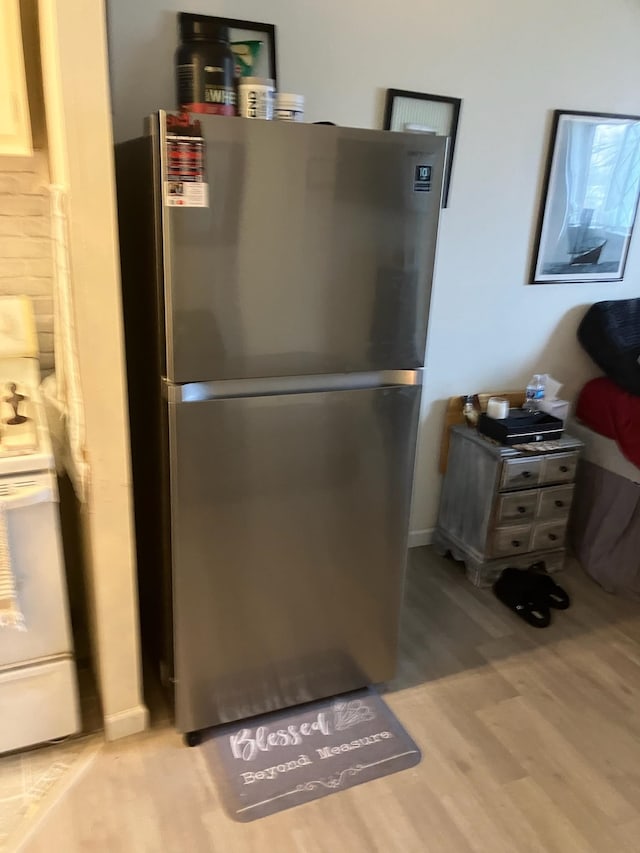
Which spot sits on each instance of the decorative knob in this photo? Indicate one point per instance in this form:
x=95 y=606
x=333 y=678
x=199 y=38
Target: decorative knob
x=564 y=469
x=526 y=474
x=553 y=537
x=559 y=503
x=515 y=543
x=522 y=509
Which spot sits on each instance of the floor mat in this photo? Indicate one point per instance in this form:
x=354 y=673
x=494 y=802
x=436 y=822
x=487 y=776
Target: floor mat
x=29 y=779
x=286 y=758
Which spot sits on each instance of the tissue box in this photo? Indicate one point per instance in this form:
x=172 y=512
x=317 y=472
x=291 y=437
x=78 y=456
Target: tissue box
x=551 y=404
x=557 y=408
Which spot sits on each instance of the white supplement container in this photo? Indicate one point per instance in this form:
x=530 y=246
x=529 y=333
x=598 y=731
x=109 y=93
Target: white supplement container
x=289 y=107
x=255 y=97
x=497 y=407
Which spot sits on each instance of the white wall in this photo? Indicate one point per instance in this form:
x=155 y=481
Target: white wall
x=81 y=160
x=512 y=63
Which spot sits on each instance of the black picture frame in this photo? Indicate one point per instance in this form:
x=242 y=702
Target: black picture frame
x=589 y=199
x=247 y=30
x=392 y=117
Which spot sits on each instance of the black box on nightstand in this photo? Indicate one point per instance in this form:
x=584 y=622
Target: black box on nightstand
x=521 y=427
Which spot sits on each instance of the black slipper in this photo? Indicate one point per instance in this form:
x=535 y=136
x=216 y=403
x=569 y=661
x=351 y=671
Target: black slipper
x=549 y=591
x=516 y=589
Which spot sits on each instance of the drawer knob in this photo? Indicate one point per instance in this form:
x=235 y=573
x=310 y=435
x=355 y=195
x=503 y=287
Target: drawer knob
x=553 y=536
x=559 y=503
x=522 y=509
x=564 y=468
x=526 y=474
x=515 y=543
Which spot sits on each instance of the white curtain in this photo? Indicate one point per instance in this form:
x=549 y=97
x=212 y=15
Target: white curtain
x=63 y=391
x=602 y=173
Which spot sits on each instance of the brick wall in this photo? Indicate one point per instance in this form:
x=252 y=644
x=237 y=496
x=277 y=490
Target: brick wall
x=25 y=241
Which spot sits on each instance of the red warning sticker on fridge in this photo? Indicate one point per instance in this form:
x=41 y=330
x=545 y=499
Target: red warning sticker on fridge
x=185 y=181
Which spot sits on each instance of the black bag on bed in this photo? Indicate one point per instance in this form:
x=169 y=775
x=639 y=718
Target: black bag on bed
x=610 y=333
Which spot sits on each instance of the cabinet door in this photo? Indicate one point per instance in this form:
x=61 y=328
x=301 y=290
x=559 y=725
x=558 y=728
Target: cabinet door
x=33 y=529
x=15 y=127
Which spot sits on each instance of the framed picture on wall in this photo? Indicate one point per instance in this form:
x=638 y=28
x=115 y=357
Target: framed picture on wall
x=417 y=112
x=589 y=198
x=253 y=44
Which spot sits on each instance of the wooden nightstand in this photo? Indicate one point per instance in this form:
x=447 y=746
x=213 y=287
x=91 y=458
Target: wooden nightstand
x=503 y=507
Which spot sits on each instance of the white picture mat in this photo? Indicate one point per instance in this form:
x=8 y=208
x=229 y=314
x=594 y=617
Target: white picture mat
x=431 y=116
x=561 y=214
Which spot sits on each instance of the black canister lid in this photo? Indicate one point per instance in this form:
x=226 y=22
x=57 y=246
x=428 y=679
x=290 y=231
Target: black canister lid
x=202 y=27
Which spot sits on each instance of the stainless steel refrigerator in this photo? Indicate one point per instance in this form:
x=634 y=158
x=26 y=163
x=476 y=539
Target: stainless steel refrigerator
x=275 y=348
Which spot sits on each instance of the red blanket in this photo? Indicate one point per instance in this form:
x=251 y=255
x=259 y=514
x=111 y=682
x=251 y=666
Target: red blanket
x=610 y=411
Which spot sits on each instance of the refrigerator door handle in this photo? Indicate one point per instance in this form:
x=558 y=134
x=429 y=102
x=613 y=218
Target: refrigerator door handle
x=224 y=389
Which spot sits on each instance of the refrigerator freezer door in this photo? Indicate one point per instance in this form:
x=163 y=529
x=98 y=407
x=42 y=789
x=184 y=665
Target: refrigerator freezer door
x=289 y=535
x=315 y=254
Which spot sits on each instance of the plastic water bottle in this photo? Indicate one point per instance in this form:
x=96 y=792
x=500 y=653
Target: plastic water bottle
x=534 y=393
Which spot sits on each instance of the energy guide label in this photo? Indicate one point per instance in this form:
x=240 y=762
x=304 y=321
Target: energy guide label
x=185 y=184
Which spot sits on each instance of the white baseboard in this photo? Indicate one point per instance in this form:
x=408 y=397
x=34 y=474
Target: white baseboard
x=126 y=723
x=420 y=537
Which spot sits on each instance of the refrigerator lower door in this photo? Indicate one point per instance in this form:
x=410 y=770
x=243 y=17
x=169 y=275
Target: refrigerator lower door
x=289 y=536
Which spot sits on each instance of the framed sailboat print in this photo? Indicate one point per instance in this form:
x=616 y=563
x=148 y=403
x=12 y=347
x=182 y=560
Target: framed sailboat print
x=590 y=198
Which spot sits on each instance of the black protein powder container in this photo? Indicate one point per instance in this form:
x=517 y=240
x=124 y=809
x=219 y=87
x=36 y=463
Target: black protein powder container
x=205 y=67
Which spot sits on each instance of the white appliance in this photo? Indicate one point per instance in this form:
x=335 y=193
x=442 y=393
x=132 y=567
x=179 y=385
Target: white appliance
x=38 y=684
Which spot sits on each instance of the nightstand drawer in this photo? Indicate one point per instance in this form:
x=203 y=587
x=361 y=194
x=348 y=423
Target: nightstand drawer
x=549 y=535
x=560 y=468
x=517 y=506
x=555 y=502
x=511 y=540
x=520 y=473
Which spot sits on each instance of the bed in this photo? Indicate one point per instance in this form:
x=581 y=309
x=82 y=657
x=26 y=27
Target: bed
x=604 y=530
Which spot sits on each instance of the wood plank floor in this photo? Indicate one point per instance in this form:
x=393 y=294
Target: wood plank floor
x=530 y=741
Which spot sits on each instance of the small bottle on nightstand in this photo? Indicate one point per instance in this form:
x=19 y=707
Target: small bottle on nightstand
x=534 y=393
x=470 y=410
